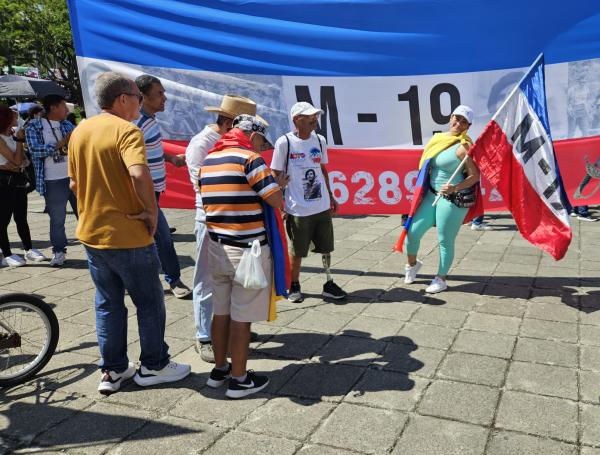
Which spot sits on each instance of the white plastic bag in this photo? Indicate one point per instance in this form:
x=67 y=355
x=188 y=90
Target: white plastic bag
x=249 y=272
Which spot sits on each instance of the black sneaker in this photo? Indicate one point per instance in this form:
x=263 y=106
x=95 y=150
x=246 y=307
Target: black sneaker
x=218 y=377
x=587 y=217
x=294 y=294
x=333 y=291
x=253 y=384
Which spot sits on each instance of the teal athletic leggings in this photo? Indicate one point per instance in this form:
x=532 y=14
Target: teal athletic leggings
x=447 y=217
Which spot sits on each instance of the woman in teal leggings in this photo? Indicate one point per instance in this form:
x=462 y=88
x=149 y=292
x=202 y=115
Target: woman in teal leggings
x=446 y=216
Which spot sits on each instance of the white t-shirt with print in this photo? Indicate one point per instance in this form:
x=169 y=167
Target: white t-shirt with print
x=52 y=170
x=306 y=192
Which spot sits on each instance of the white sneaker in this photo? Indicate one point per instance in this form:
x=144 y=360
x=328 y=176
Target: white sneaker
x=171 y=373
x=481 y=227
x=3 y=261
x=35 y=255
x=410 y=273
x=111 y=381
x=437 y=285
x=15 y=261
x=58 y=259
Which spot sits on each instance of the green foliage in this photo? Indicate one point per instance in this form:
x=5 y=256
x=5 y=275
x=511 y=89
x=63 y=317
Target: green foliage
x=38 y=33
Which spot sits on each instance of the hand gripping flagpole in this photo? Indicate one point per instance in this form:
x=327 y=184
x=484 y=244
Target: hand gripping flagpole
x=512 y=92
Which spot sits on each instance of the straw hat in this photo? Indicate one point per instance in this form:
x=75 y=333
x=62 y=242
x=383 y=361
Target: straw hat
x=233 y=105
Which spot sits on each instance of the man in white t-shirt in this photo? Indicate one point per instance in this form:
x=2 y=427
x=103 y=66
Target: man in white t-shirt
x=47 y=139
x=309 y=204
x=195 y=154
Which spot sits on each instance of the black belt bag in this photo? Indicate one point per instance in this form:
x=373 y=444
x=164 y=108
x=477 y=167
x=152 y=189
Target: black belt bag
x=13 y=179
x=464 y=198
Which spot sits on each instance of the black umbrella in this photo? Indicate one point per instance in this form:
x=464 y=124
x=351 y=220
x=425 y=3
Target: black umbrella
x=12 y=86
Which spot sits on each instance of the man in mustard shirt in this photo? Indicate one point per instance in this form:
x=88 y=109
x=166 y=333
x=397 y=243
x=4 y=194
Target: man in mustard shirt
x=117 y=220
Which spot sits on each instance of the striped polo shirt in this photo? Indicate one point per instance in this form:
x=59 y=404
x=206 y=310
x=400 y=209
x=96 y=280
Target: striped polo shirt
x=154 y=150
x=233 y=183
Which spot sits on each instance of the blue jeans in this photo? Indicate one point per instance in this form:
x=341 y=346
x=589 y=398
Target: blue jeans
x=57 y=195
x=136 y=270
x=202 y=292
x=166 y=249
x=582 y=210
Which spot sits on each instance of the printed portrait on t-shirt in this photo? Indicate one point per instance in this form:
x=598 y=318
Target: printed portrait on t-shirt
x=312 y=187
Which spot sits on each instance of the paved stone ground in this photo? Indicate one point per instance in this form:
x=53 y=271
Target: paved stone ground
x=506 y=362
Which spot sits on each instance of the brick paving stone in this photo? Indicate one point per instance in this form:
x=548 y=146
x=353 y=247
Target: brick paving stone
x=169 y=435
x=493 y=305
x=509 y=443
x=549 y=330
x=493 y=323
x=294 y=344
x=591 y=317
x=397 y=310
x=432 y=336
x=88 y=431
x=431 y=436
x=320 y=321
x=546 y=351
x=440 y=316
x=589 y=385
x=551 y=312
x=252 y=443
x=469 y=403
x=589 y=451
x=590 y=424
x=285 y=418
x=326 y=382
x=542 y=379
x=409 y=358
x=590 y=334
x=477 y=369
x=351 y=350
x=387 y=389
x=535 y=414
x=484 y=343
x=360 y=428
x=315 y=449
x=590 y=358
x=371 y=327
x=31 y=411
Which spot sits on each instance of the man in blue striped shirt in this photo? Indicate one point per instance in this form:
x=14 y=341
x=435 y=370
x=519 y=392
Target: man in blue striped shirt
x=153 y=102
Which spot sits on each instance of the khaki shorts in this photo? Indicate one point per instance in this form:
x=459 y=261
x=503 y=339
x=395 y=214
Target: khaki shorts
x=302 y=230
x=230 y=297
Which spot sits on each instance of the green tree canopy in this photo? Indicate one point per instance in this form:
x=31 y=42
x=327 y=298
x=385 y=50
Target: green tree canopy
x=38 y=33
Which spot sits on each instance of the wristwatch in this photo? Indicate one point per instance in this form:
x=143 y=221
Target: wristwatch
x=18 y=140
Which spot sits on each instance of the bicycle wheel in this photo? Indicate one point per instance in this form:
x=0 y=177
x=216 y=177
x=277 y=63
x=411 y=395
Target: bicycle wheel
x=28 y=337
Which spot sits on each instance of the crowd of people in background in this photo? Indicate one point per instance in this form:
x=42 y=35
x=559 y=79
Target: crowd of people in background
x=111 y=171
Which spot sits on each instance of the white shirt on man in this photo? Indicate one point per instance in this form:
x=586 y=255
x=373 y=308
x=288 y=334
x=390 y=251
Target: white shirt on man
x=306 y=192
x=52 y=170
x=195 y=154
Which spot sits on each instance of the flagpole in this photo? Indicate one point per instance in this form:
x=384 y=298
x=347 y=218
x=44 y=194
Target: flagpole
x=516 y=87
x=512 y=92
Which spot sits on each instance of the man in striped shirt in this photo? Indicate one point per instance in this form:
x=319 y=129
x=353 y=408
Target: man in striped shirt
x=153 y=102
x=234 y=183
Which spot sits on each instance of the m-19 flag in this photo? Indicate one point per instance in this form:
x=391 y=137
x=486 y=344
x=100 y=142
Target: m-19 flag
x=515 y=153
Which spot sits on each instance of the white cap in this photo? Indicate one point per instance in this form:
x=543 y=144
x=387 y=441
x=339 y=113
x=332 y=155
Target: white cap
x=464 y=111
x=304 y=108
x=252 y=123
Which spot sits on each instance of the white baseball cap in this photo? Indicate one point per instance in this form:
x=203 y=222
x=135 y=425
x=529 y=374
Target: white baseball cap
x=304 y=108
x=464 y=111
